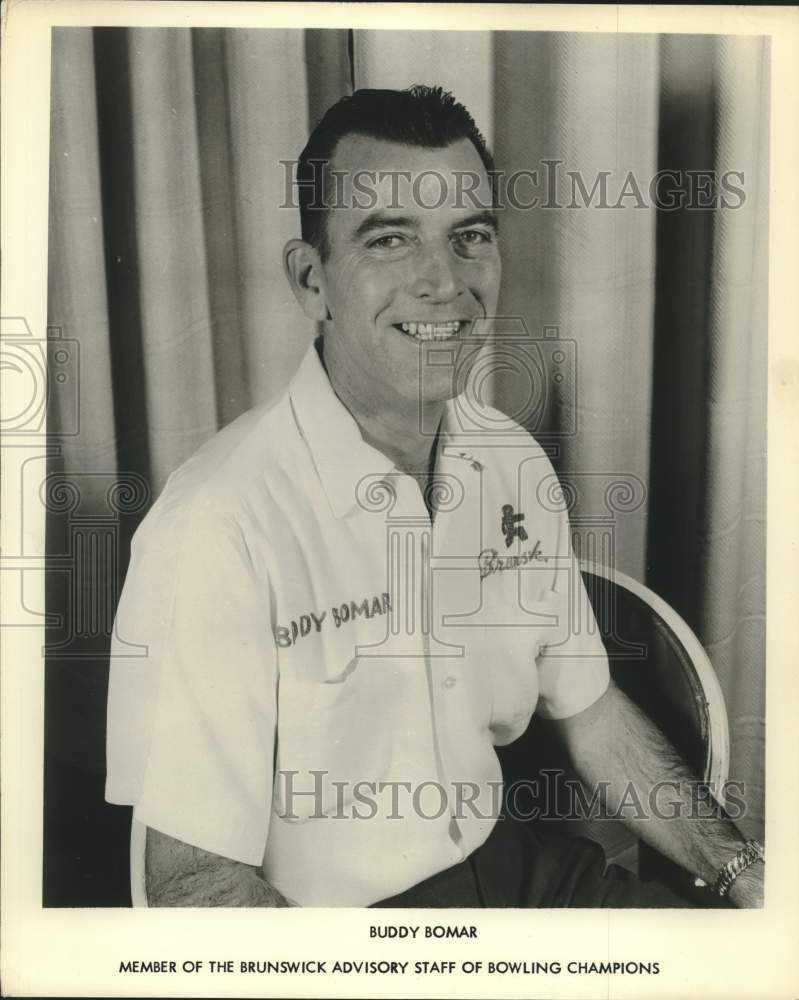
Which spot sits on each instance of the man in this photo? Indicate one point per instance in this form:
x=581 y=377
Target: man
x=335 y=642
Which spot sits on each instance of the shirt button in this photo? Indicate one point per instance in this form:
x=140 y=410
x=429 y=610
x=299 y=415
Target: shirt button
x=450 y=682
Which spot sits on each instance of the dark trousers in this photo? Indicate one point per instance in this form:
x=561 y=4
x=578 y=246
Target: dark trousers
x=520 y=865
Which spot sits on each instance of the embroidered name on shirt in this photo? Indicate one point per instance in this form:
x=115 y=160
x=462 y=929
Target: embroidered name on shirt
x=340 y=614
x=490 y=561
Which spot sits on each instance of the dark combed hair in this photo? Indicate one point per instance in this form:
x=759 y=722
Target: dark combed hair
x=428 y=117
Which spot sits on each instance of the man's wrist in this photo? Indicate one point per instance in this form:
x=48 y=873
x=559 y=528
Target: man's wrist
x=747 y=890
x=740 y=877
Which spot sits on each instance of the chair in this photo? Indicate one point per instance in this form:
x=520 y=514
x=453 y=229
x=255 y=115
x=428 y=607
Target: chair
x=678 y=686
x=659 y=663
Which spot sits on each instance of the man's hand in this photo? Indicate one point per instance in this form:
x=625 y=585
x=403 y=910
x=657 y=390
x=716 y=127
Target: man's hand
x=614 y=746
x=178 y=874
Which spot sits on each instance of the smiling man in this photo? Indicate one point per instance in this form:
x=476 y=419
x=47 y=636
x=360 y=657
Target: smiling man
x=332 y=656
x=396 y=279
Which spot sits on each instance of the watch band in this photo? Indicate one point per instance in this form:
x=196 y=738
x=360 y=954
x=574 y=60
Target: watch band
x=749 y=854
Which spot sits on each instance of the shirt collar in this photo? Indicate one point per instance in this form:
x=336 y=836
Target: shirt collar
x=341 y=456
x=344 y=461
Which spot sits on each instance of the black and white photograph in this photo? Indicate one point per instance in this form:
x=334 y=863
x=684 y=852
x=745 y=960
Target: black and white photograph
x=398 y=434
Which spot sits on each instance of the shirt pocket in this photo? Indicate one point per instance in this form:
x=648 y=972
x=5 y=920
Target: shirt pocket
x=331 y=736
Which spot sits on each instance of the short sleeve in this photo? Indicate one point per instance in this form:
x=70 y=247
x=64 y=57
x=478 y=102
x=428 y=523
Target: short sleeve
x=192 y=691
x=573 y=665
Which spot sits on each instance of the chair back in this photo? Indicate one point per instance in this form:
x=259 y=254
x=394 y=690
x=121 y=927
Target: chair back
x=657 y=660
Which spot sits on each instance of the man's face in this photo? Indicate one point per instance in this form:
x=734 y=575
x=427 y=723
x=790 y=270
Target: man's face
x=408 y=275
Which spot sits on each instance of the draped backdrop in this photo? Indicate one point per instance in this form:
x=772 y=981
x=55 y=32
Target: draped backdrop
x=164 y=267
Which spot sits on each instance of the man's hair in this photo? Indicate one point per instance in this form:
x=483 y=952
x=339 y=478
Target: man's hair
x=428 y=117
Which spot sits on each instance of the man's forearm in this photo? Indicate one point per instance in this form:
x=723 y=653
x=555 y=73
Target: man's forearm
x=178 y=874
x=616 y=748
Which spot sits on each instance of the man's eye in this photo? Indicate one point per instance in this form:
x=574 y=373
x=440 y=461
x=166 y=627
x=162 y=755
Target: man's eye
x=473 y=237
x=388 y=242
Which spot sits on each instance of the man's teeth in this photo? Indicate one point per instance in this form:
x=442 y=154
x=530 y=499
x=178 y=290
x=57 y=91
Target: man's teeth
x=432 y=331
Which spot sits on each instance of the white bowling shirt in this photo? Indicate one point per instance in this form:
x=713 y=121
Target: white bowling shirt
x=309 y=676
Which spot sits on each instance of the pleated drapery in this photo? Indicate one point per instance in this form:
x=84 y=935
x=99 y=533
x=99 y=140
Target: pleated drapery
x=165 y=265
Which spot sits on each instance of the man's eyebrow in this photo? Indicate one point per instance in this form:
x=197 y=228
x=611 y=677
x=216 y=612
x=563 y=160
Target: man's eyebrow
x=382 y=220
x=386 y=220
x=485 y=218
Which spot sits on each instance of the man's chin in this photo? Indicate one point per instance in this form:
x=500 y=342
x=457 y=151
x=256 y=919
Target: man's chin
x=436 y=387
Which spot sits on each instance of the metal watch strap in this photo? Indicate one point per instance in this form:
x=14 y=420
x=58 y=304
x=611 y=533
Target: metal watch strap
x=749 y=854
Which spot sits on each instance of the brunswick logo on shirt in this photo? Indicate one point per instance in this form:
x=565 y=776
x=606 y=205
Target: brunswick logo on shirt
x=511 y=525
x=490 y=561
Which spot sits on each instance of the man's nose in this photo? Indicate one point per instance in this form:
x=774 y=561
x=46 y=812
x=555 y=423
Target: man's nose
x=437 y=276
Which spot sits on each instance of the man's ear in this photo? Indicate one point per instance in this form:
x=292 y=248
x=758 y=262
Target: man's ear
x=302 y=266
